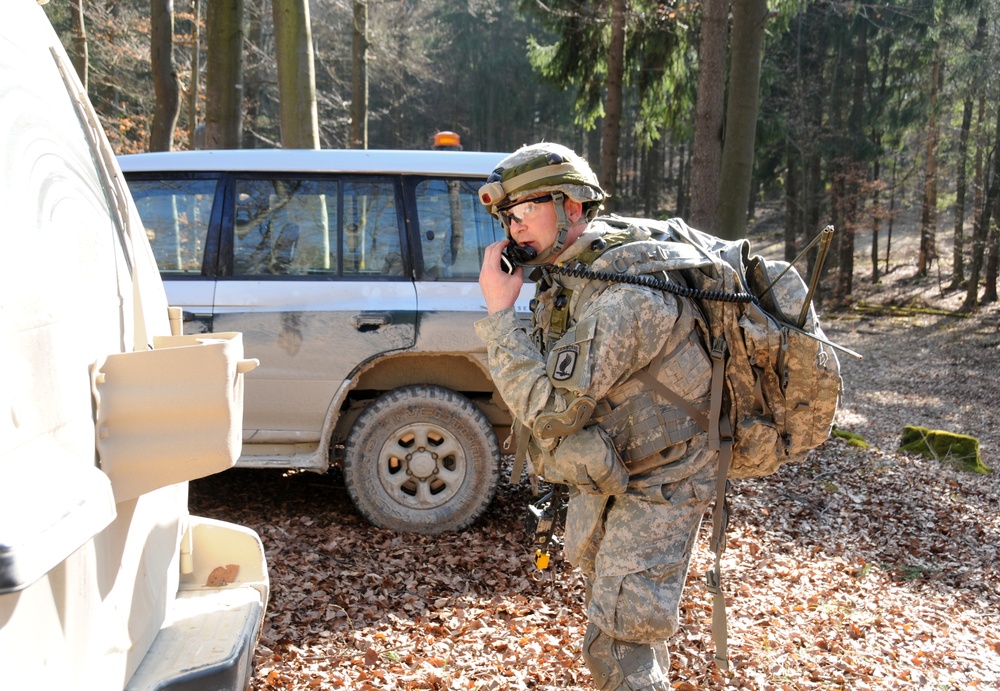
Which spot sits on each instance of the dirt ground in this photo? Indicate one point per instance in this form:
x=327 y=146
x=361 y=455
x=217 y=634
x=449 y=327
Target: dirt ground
x=859 y=568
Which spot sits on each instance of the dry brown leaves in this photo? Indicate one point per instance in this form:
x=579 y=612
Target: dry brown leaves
x=856 y=569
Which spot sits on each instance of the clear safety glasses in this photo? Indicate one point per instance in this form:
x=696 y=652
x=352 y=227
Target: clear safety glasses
x=522 y=212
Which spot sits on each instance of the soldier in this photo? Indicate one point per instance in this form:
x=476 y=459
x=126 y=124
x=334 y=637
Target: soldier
x=586 y=382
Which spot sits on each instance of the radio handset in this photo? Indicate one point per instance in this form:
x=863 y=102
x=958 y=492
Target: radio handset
x=514 y=255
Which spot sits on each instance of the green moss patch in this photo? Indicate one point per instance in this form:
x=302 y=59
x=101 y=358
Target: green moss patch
x=852 y=438
x=959 y=449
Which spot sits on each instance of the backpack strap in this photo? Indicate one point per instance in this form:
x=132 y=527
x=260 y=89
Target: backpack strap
x=720 y=522
x=720 y=436
x=619 y=237
x=560 y=315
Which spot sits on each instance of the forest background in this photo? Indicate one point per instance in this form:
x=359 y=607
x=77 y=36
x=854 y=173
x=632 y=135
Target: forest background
x=832 y=111
x=861 y=568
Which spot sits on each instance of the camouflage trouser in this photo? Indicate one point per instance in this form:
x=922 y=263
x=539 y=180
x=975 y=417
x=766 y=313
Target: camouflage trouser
x=635 y=549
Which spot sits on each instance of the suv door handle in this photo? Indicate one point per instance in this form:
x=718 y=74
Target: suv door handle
x=369 y=321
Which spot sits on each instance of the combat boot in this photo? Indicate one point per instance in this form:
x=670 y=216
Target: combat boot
x=622 y=666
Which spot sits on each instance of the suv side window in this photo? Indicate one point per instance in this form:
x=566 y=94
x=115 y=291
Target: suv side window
x=176 y=215
x=454 y=228
x=289 y=226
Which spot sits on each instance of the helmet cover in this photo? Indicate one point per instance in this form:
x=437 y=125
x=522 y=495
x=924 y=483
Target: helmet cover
x=536 y=168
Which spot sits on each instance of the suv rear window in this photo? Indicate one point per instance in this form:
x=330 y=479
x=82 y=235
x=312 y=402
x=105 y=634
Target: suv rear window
x=294 y=226
x=176 y=216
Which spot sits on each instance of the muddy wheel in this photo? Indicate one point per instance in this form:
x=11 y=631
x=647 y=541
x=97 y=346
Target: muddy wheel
x=422 y=459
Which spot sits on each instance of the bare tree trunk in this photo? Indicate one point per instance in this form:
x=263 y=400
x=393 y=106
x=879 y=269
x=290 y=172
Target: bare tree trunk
x=749 y=19
x=928 y=215
x=652 y=175
x=993 y=245
x=611 y=137
x=224 y=74
x=359 y=76
x=856 y=170
x=839 y=161
x=793 y=199
x=978 y=168
x=683 y=180
x=993 y=250
x=708 y=116
x=166 y=84
x=402 y=52
x=981 y=228
x=838 y=217
x=78 y=46
x=813 y=192
x=877 y=137
x=260 y=102
x=632 y=155
x=958 y=253
x=892 y=211
x=195 y=75
x=296 y=74
x=876 y=219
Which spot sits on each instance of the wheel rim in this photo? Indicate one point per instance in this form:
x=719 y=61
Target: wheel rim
x=421 y=466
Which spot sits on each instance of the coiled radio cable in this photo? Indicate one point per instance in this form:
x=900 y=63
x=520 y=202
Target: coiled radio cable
x=650 y=282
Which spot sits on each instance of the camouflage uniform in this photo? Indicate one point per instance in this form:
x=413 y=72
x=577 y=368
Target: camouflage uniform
x=632 y=538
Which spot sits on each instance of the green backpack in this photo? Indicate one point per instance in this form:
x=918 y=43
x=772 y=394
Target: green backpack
x=776 y=381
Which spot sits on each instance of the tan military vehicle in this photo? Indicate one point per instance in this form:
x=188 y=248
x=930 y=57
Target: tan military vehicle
x=108 y=410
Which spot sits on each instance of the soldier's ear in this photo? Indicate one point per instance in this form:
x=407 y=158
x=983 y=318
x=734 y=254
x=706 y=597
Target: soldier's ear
x=573 y=209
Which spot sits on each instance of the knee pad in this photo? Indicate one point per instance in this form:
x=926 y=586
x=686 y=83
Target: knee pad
x=622 y=666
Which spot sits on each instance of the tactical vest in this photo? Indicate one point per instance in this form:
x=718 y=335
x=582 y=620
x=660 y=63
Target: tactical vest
x=645 y=429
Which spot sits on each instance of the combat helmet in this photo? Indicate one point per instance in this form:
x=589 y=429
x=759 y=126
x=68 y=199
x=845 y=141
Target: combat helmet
x=543 y=167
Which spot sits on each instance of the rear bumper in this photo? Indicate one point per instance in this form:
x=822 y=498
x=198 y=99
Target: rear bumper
x=208 y=638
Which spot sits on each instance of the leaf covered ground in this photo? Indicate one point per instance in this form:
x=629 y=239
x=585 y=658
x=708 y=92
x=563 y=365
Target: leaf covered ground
x=860 y=568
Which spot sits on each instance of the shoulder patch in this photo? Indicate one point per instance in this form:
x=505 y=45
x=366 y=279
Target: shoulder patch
x=565 y=363
x=568 y=362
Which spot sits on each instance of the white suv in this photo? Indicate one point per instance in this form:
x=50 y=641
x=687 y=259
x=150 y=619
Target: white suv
x=353 y=277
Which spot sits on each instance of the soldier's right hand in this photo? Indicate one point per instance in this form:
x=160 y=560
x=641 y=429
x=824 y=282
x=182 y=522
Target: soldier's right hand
x=500 y=289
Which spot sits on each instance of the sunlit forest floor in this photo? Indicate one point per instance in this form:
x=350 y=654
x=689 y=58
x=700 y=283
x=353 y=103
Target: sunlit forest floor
x=859 y=568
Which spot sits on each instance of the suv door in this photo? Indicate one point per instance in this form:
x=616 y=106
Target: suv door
x=453 y=230
x=315 y=273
